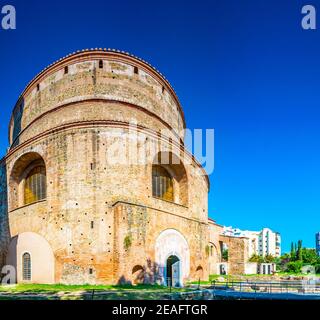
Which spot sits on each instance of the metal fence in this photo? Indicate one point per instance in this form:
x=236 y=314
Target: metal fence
x=283 y=286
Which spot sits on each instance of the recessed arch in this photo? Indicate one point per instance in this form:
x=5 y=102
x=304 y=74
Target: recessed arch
x=214 y=252
x=138 y=273
x=199 y=272
x=173 y=269
x=32 y=257
x=214 y=257
x=169 y=178
x=28 y=182
x=171 y=242
x=162 y=183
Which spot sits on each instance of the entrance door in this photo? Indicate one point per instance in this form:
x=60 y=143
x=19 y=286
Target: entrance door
x=176 y=274
x=173 y=271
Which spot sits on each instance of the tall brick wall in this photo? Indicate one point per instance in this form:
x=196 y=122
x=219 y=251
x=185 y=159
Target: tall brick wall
x=85 y=81
x=4 y=224
x=238 y=253
x=214 y=251
x=72 y=121
x=143 y=226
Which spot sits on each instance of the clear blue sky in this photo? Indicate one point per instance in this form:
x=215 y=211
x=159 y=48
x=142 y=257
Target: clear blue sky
x=245 y=68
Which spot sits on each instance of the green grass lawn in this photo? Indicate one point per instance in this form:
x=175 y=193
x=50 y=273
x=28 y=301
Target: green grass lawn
x=85 y=292
x=296 y=274
x=72 y=288
x=247 y=277
x=109 y=292
x=216 y=277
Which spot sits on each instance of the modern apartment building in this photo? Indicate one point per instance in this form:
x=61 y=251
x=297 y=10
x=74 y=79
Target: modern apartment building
x=269 y=243
x=264 y=242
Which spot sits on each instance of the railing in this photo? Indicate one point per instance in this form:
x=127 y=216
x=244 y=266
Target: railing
x=172 y=282
x=301 y=286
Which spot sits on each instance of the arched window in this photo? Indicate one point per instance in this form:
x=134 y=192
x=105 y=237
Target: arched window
x=169 y=178
x=35 y=188
x=26 y=266
x=162 y=184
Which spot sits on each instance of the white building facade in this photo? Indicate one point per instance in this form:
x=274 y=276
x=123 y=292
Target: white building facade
x=269 y=243
x=262 y=243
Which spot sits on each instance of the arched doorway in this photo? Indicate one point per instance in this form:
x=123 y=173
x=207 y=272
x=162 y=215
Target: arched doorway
x=169 y=244
x=173 y=271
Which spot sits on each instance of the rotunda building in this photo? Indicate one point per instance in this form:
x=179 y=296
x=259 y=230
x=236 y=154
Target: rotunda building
x=97 y=186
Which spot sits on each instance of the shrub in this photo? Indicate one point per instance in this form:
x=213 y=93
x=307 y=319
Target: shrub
x=127 y=242
x=225 y=255
x=256 y=258
x=294 y=267
x=269 y=258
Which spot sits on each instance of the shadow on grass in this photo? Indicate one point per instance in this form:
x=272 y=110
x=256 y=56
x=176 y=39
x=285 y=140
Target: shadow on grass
x=86 y=292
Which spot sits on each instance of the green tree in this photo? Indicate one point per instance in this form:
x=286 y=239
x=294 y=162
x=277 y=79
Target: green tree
x=298 y=256
x=225 y=255
x=283 y=261
x=299 y=251
x=292 y=252
x=256 y=258
x=309 y=256
x=269 y=258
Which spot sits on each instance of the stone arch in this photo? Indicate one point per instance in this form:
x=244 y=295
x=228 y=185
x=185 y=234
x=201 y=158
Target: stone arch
x=21 y=168
x=169 y=243
x=41 y=255
x=174 y=165
x=138 y=273
x=199 y=272
x=214 y=257
x=214 y=253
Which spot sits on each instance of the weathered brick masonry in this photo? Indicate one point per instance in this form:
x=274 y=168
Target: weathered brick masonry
x=99 y=221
